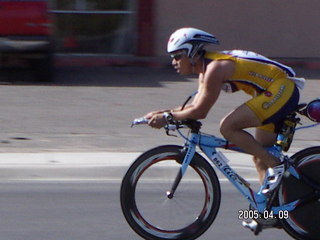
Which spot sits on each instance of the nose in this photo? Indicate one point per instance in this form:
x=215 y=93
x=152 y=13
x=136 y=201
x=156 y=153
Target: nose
x=174 y=62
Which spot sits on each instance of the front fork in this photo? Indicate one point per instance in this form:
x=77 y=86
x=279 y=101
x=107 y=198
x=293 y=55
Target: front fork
x=187 y=157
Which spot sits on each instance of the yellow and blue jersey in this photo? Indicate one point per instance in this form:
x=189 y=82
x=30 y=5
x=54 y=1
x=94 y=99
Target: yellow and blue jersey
x=270 y=83
x=254 y=73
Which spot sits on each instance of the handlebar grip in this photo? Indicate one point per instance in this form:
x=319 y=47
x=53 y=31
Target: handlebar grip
x=139 y=121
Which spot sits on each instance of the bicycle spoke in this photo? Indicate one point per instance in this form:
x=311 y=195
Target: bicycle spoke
x=157 y=209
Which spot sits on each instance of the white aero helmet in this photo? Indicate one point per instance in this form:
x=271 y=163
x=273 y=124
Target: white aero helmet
x=190 y=39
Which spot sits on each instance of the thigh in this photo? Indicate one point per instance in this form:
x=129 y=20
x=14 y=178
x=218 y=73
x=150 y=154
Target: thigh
x=241 y=118
x=276 y=102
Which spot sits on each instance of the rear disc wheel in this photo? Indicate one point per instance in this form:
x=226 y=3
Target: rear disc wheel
x=303 y=222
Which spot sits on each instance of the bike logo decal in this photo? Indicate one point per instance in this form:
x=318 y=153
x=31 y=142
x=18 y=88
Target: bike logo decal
x=217 y=162
x=232 y=175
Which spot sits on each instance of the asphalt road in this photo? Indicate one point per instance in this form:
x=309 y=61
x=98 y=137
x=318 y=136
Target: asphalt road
x=91 y=109
x=85 y=210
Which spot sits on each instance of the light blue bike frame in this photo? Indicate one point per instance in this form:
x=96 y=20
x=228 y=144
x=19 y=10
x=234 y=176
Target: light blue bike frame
x=208 y=145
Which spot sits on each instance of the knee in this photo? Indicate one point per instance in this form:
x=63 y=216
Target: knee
x=223 y=127
x=226 y=127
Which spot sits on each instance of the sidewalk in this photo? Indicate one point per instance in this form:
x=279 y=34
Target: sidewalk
x=88 y=166
x=91 y=166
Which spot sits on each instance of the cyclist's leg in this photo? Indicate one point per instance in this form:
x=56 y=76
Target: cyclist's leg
x=266 y=137
x=269 y=107
x=232 y=128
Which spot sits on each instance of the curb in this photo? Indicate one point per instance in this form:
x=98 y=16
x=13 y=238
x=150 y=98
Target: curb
x=89 y=166
x=67 y=159
x=94 y=159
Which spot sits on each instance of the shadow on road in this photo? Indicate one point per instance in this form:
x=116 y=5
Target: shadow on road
x=127 y=76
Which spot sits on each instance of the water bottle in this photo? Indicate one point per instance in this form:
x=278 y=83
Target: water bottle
x=285 y=136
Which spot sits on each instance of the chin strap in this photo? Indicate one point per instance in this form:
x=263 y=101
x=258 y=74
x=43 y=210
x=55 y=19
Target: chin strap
x=193 y=65
x=195 y=59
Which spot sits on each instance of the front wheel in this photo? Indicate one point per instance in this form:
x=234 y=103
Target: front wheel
x=303 y=223
x=152 y=213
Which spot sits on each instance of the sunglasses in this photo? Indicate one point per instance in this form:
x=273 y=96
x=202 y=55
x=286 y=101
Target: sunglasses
x=178 y=56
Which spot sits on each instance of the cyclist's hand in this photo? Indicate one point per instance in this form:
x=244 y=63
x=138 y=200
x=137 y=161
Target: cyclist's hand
x=157 y=121
x=151 y=114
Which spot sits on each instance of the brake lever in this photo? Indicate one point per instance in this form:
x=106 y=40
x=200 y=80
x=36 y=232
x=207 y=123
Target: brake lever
x=168 y=131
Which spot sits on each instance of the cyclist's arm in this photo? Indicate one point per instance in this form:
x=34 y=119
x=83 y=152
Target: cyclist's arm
x=177 y=109
x=151 y=114
x=209 y=89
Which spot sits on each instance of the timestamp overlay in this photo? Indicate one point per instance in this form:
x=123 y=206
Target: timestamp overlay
x=246 y=214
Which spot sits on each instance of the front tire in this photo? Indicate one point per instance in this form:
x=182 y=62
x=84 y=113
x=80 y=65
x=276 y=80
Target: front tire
x=147 y=207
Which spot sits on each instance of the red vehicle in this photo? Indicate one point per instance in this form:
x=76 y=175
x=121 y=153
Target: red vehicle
x=26 y=36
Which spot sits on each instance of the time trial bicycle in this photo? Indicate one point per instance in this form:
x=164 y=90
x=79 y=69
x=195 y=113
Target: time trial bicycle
x=173 y=192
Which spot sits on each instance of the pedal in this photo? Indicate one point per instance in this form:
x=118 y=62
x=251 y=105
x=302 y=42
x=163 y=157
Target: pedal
x=254 y=226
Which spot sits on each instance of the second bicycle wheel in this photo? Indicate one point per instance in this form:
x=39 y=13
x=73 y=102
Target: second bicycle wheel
x=303 y=223
x=145 y=203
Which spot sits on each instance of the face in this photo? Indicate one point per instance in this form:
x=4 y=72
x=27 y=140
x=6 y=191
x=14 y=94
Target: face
x=181 y=63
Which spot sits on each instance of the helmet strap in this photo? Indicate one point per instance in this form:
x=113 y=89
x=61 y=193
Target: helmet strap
x=193 y=64
x=194 y=60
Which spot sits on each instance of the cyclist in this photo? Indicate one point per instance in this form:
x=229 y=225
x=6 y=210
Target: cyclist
x=272 y=85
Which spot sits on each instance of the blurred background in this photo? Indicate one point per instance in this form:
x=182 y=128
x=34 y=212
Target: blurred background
x=131 y=31
x=285 y=28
